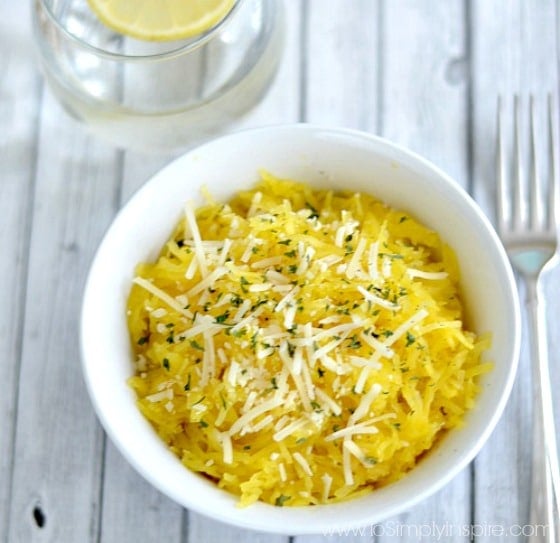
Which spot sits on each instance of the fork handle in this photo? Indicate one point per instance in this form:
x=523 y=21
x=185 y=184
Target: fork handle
x=545 y=476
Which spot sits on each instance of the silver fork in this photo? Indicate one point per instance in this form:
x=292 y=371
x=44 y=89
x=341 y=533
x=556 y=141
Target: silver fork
x=529 y=228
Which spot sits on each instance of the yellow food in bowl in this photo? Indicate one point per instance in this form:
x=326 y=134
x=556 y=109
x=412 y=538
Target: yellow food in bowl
x=301 y=346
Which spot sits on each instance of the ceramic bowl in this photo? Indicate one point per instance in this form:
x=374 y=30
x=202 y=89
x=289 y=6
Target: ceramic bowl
x=322 y=157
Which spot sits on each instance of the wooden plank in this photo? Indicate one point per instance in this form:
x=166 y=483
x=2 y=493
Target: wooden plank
x=341 y=64
x=419 y=104
x=423 y=106
x=201 y=529
x=514 y=50
x=58 y=444
x=20 y=90
x=132 y=509
x=340 y=84
x=137 y=168
x=281 y=104
x=424 y=101
x=125 y=494
x=443 y=517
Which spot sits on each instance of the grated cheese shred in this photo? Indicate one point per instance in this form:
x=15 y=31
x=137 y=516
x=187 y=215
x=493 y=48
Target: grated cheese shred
x=302 y=346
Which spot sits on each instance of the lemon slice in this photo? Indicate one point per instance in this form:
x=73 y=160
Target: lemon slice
x=161 y=20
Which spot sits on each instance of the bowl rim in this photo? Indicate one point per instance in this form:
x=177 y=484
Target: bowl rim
x=335 y=522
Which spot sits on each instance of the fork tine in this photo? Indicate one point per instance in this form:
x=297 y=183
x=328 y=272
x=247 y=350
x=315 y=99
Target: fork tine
x=519 y=202
x=501 y=189
x=554 y=190
x=536 y=199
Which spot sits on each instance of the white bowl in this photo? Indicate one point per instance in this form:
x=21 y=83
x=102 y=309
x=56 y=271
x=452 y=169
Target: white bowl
x=336 y=158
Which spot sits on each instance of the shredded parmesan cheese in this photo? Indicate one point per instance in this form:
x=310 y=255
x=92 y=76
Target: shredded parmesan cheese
x=377 y=299
x=164 y=297
x=289 y=429
x=198 y=248
x=282 y=472
x=227 y=447
x=361 y=428
x=245 y=419
x=327 y=483
x=207 y=282
x=303 y=463
x=434 y=276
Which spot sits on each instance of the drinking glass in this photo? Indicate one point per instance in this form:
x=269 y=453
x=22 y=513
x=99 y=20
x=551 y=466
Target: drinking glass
x=157 y=95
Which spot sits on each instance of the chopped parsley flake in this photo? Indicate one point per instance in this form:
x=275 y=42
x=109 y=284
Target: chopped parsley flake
x=195 y=345
x=220 y=319
x=281 y=500
x=236 y=300
x=410 y=339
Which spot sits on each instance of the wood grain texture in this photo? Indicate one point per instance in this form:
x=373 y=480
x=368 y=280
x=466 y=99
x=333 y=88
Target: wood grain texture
x=341 y=61
x=423 y=106
x=281 y=104
x=20 y=88
x=514 y=50
x=340 y=85
x=132 y=509
x=203 y=530
x=409 y=86
x=424 y=73
x=58 y=441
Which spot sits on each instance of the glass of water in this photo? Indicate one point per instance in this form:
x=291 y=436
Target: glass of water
x=158 y=95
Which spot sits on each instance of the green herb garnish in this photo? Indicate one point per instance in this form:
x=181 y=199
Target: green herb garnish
x=281 y=500
x=195 y=345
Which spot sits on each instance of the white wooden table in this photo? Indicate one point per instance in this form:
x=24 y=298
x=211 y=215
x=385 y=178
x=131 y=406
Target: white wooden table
x=424 y=73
